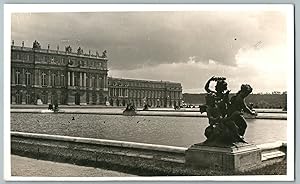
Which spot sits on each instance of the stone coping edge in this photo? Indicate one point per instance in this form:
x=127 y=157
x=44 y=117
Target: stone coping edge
x=272 y=145
x=104 y=142
x=144 y=113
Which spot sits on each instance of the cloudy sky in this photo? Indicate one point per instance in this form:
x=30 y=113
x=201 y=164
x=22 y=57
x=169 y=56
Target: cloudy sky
x=184 y=46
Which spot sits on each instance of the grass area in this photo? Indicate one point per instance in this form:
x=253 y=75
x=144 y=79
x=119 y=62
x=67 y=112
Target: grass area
x=278 y=168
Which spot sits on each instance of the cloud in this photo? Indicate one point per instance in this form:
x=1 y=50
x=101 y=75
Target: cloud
x=254 y=67
x=137 y=39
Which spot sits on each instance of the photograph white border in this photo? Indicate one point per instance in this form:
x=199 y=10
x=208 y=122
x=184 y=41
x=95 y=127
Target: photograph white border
x=34 y=8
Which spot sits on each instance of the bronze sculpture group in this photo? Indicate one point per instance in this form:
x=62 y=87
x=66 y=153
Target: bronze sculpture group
x=227 y=125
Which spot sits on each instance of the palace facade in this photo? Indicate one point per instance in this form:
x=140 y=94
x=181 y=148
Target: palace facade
x=141 y=92
x=76 y=78
x=55 y=76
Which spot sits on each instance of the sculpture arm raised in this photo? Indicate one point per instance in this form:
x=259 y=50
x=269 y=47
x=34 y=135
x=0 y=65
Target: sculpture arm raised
x=207 y=85
x=247 y=109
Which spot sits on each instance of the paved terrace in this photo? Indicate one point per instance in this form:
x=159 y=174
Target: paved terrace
x=23 y=166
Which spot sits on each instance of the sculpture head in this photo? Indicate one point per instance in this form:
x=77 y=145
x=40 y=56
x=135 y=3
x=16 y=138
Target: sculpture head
x=246 y=89
x=221 y=86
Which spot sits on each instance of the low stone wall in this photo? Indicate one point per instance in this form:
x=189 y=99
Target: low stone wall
x=110 y=154
x=118 y=155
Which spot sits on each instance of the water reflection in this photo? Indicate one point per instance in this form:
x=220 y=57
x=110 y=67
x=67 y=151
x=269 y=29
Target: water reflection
x=176 y=131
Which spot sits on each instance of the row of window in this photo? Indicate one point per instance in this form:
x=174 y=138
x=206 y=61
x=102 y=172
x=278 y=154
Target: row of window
x=57 y=98
x=141 y=84
x=28 y=78
x=118 y=92
x=54 y=81
x=140 y=102
x=137 y=84
x=141 y=94
x=59 y=80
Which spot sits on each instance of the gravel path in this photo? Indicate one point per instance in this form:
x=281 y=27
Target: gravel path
x=23 y=166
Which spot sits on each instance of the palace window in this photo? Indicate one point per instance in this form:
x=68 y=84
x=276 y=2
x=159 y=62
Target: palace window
x=18 y=98
x=13 y=55
x=62 y=99
x=18 y=77
x=124 y=92
x=111 y=91
x=62 y=80
x=93 y=82
x=44 y=79
x=53 y=80
x=44 y=98
x=28 y=78
x=101 y=82
x=117 y=92
x=75 y=82
x=28 y=100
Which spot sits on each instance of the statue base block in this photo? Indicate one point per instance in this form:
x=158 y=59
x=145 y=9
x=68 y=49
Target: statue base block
x=39 y=102
x=242 y=157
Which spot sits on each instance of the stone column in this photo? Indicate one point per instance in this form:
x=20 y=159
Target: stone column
x=58 y=97
x=80 y=79
x=98 y=99
x=91 y=85
x=58 y=79
x=105 y=82
x=69 y=77
x=13 y=73
x=13 y=98
x=73 y=81
x=49 y=98
x=23 y=97
x=84 y=79
x=49 y=79
x=97 y=81
x=87 y=81
x=23 y=77
x=39 y=78
x=90 y=98
x=36 y=75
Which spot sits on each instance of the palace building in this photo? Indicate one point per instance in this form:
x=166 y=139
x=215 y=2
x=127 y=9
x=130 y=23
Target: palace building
x=140 y=92
x=47 y=76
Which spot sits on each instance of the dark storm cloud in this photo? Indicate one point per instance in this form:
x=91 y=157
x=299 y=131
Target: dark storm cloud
x=136 y=39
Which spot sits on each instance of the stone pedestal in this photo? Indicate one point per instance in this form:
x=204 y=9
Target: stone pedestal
x=231 y=158
x=39 y=102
